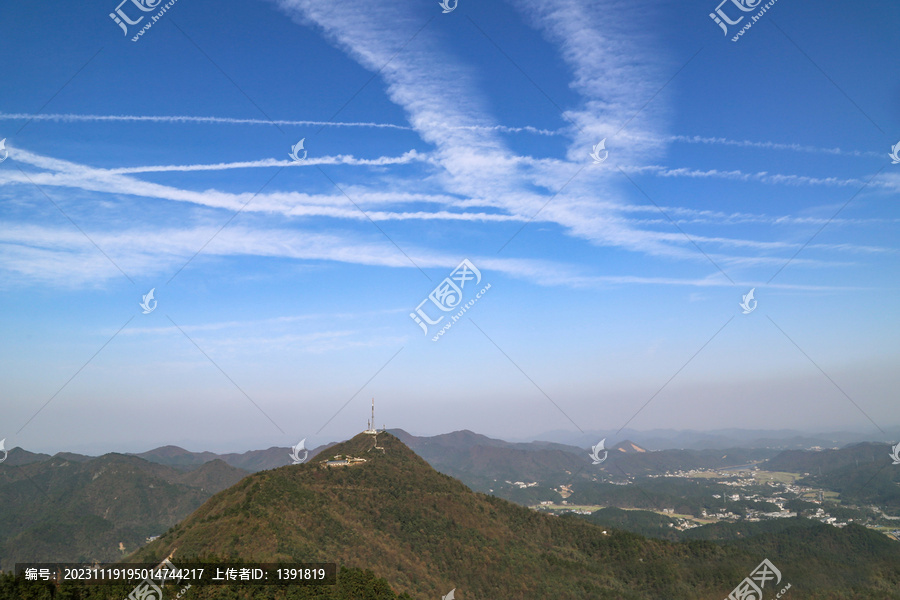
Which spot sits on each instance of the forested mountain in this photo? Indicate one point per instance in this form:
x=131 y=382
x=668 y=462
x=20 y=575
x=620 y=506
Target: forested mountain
x=63 y=510
x=426 y=533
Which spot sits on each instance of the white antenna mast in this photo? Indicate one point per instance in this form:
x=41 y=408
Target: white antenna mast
x=371 y=430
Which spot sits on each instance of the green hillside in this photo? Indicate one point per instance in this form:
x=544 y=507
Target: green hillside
x=646 y=523
x=823 y=461
x=64 y=510
x=426 y=533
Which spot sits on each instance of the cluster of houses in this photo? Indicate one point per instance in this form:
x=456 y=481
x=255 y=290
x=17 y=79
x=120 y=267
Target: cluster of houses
x=522 y=484
x=342 y=460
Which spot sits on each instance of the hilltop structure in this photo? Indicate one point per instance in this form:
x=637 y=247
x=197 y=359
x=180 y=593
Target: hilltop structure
x=346 y=460
x=341 y=460
x=370 y=429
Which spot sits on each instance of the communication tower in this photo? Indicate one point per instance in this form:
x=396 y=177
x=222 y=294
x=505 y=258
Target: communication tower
x=371 y=425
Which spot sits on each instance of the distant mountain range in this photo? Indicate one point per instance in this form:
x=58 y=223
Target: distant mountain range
x=252 y=461
x=173 y=456
x=661 y=439
x=18 y=457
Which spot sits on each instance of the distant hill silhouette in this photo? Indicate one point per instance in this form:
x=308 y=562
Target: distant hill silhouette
x=823 y=461
x=720 y=439
x=18 y=457
x=628 y=447
x=252 y=461
x=480 y=462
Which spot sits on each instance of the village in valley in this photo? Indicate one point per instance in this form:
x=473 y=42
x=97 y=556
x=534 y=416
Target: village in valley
x=751 y=495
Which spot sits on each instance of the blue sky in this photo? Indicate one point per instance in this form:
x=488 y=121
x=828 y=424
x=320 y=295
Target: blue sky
x=285 y=288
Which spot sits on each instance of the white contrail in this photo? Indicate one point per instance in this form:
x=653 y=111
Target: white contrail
x=190 y=119
x=696 y=139
x=71 y=118
x=340 y=159
x=687 y=139
x=761 y=176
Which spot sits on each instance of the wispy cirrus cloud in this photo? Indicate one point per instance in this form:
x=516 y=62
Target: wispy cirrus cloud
x=60 y=173
x=43 y=256
x=480 y=178
x=64 y=256
x=614 y=69
x=482 y=165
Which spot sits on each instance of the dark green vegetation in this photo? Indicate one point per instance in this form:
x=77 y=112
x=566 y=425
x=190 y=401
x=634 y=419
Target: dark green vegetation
x=64 y=509
x=684 y=496
x=643 y=522
x=426 y=533
x=824 y=461
x=877 y=485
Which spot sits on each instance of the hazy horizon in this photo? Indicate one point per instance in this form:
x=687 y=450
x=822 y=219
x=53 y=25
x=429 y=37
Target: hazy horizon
x=562 y=437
